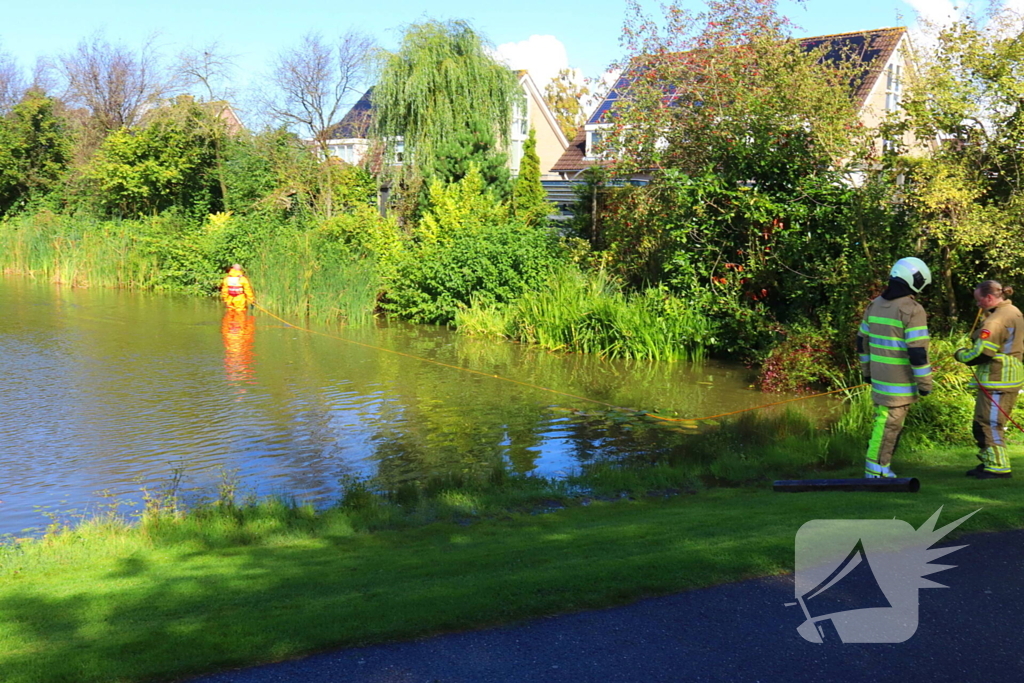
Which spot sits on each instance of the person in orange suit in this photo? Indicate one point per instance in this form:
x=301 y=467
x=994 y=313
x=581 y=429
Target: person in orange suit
x=235 y=290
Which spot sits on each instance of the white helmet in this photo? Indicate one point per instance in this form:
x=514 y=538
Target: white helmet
x=913 y=271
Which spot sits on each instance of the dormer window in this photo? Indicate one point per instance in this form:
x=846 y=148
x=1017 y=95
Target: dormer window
x=595 y=140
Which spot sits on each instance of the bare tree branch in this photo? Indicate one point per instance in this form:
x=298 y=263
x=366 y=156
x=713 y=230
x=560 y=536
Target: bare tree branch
x=12 y=82
x=317 y=79
x=208 y=68
x=114 y=83
x=44 y=77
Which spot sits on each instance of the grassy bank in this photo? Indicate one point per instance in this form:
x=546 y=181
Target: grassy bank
x=227 y=586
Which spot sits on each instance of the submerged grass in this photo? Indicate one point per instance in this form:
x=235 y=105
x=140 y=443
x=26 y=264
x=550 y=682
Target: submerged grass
x=588 y=313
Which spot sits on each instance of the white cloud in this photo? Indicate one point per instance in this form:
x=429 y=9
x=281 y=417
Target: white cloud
x=937 y=12
x=542 y=56
x=932 y=17
x=1005 y=18
x=945 y=12
x=1015 y=5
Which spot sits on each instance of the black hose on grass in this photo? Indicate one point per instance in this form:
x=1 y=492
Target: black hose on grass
x=898 y=485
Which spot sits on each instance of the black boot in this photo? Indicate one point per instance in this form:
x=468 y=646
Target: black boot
x=985 y=474
x=974 y=472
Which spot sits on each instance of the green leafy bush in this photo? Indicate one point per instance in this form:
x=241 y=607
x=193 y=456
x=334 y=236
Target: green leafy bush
x=175 y=242
x=228 y=238
x=251 y=170
x=765 y=258
x=942 y=418
x=170 y=163
x=35 y=151
x=495 y=264
x=466 y=248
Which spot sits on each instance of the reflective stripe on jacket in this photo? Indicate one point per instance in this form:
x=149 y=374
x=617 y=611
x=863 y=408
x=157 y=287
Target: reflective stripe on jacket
x=999 y=338
x=236 y=285
x=887 y=332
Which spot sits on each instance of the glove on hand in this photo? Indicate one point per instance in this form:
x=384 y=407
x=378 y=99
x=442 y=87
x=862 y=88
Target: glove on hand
x=923 y=393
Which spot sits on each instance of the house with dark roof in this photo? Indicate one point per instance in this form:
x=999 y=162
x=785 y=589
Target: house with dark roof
x=885 y=55
x=349 y=138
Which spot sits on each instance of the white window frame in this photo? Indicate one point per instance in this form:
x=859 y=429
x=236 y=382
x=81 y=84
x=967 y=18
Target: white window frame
x=893 y=87
x=517 y=138
x=594 y=135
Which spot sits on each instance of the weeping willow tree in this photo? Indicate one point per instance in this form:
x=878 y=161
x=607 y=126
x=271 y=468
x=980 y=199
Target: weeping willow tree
x=440 y=89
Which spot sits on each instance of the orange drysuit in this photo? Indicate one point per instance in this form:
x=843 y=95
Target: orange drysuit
x=235 y=290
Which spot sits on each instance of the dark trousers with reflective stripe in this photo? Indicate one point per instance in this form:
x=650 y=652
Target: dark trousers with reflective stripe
x=885 y=434
x=990 y=426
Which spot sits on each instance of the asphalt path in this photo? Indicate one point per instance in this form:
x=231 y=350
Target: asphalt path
x=971 y=631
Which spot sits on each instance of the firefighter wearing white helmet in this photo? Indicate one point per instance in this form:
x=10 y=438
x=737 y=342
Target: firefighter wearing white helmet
x=893 y=347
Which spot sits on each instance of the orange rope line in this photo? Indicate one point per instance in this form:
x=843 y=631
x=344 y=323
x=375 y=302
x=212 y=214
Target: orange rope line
x=994 y=402
x=553 y=391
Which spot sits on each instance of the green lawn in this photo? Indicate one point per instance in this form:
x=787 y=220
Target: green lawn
x=127 y=605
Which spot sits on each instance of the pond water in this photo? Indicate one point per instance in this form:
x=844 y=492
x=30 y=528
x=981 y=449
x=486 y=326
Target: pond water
x=107 y=393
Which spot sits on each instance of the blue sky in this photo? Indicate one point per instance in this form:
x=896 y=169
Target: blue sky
x=585 y=34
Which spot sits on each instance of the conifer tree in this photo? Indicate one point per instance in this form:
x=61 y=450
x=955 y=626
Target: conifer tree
x=529 y=200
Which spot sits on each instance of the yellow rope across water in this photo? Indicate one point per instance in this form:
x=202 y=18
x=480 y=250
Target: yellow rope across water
x=548 y=389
